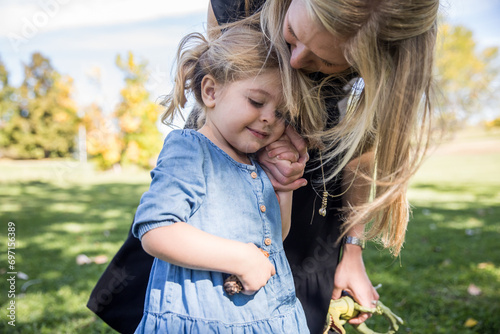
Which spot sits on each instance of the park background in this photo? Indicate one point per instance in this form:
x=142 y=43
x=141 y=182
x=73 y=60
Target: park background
x=80 y=83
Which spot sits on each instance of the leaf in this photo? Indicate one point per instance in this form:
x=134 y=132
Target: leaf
x=471 y=322
x=83 y=259
x=473 y=290
x=100 y=259
x=486 y=265
x=22 y=275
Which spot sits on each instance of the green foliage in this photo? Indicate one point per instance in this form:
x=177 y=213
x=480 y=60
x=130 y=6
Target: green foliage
x=137 y=115
x=44 y=121
x=8 y=104
x=493 y=123
x=465 y=75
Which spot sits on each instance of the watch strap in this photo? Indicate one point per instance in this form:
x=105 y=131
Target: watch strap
x=355 y=241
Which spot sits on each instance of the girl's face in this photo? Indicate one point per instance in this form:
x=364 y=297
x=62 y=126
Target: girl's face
x=244 y=116
x=313 y=47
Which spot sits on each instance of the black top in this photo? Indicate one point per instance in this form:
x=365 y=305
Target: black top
x=227 y=11
x=118 y=297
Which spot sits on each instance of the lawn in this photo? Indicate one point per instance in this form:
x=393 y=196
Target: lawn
x=447 y=279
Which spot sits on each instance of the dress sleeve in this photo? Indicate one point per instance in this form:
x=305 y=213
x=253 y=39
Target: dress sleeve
x=178 y=184
x=227 y=11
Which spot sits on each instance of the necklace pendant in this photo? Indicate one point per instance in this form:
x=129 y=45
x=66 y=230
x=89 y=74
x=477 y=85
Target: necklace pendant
x=322 y=210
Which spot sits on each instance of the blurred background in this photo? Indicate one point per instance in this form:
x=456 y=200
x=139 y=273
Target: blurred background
x=80 y=86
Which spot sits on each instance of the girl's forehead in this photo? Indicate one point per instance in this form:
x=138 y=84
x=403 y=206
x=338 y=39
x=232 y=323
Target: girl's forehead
x=266 y=84
x=269 y=81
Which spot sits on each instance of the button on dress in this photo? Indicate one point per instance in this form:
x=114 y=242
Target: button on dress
x=198 y=183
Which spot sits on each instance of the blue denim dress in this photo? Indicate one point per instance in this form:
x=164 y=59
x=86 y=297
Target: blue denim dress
x=198 y=183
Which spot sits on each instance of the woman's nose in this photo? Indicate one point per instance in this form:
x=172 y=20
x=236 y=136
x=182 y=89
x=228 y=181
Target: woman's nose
x=300 y=57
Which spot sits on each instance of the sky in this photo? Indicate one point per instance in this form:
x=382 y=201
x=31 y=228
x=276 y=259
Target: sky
x=83 y=37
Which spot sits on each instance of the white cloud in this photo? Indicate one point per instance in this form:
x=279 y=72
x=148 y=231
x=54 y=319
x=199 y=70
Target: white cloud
x=468 y=8
x=481 y=17
x=105 y=41
x=24 y=18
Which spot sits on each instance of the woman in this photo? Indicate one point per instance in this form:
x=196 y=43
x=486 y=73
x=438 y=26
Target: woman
x=389 y=44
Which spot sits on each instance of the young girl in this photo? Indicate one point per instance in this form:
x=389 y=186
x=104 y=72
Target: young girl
x=211 y=211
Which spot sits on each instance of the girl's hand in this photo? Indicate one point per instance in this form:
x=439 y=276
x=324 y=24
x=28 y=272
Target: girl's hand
x=351 y=277
x=284 y=161
x=256 y=270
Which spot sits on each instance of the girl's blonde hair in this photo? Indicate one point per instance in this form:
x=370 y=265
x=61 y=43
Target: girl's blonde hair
x=240 y=52
x=390 y=44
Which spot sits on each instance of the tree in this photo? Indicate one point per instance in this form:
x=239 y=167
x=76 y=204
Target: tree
x=8 y=107
x=45 y=122
x=137 y=115
x=103 y=141
x=465 y=75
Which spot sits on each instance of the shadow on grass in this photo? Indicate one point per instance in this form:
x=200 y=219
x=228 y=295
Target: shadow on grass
x=54 y=224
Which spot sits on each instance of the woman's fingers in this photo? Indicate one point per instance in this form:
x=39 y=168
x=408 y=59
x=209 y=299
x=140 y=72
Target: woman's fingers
x=298 y=142
x=284 y=172
x=369 y=301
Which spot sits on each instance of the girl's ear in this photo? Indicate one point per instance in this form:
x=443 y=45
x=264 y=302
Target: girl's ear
x=208 y=88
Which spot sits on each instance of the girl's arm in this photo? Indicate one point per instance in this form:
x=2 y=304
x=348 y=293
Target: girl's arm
x=184 y=245
x=351 y=273
x=285 y=199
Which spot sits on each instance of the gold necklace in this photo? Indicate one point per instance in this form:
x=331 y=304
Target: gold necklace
x=324 y=200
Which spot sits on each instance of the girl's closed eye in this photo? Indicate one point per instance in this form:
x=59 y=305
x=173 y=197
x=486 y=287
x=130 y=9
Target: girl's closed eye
x=255 y=103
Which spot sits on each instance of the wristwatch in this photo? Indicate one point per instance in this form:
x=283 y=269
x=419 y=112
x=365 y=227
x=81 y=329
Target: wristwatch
x=354 y=241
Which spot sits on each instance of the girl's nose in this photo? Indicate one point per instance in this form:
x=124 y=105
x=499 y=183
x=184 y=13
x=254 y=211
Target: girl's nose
x=300 y=57
x=268 y=115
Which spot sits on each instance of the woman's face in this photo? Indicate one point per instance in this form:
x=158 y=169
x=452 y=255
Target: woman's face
x=313 y=47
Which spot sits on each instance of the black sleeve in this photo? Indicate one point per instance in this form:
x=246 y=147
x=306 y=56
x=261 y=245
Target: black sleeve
x=227 y=11
x=118 y=297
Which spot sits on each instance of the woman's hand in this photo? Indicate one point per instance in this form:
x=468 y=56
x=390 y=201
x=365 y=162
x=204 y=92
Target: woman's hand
x=255 y=271
x=351 y=277
x=285 y=160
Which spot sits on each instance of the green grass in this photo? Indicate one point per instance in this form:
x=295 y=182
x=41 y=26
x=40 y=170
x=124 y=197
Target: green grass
x=62 y=209
x=452 y=242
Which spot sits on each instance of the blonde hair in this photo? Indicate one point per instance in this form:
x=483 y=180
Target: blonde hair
x=240 y=52
x=390 y=44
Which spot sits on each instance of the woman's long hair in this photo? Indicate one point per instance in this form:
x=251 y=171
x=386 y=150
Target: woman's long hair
x=390 y=44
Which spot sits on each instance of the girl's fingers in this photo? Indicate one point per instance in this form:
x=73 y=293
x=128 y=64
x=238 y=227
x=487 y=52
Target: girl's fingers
x=284 y=154
x=278 y=149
